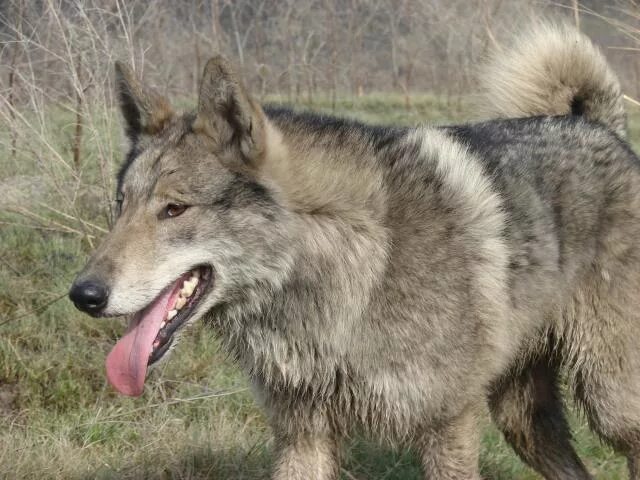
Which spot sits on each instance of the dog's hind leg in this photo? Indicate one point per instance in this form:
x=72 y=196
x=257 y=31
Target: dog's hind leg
x=602 y=334
x=527 y=407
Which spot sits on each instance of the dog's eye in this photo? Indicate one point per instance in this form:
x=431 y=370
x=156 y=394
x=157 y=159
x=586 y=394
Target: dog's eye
x=174 y=210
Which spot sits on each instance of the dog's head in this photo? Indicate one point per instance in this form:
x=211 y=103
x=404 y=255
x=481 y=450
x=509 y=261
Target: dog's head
x=196 y=222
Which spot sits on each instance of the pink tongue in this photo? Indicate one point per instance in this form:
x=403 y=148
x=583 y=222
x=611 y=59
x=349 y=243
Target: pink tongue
x=127 y=362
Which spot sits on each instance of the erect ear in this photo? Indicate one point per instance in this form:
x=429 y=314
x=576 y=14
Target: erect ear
x=229 y=117
x=144 y=110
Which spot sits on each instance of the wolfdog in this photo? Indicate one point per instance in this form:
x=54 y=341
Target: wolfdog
x=392 y=281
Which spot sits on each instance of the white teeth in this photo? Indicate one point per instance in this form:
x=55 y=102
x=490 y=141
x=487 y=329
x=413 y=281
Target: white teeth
x=180 y=303
x=163 y=324
x=188 y=288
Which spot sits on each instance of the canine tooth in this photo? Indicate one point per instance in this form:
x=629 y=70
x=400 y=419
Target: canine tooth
x=180 y=303
x=171 y=314
x=163 y=324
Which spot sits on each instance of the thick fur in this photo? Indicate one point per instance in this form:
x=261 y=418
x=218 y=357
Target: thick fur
x=553 y=70
x=393 y=280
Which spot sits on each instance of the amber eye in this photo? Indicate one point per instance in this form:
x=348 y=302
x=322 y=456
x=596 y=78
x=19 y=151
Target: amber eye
x=174 y=210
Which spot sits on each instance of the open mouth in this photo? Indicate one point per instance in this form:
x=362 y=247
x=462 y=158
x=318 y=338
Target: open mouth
x=179 y=309
x=152 y=330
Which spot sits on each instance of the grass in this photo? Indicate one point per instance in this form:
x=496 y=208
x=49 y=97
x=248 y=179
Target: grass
x=197 y=419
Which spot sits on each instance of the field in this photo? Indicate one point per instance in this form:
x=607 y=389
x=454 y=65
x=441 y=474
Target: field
x=59 y=418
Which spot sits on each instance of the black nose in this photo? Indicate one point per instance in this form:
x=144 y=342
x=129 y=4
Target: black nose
x=89 y=296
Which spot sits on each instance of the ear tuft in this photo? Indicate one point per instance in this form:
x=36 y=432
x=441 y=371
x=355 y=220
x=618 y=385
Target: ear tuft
x=144 y=110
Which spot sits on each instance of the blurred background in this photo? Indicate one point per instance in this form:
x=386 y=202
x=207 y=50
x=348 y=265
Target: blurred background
x=381 y=61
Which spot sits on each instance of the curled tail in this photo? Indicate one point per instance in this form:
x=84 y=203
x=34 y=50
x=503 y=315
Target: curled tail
x=553 y=70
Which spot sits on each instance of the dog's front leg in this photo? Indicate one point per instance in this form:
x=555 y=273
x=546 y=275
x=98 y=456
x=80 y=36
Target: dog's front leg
x=450 y=451
x=306 y=457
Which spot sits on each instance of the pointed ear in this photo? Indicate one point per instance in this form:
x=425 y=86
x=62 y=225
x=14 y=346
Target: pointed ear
x=229 y=117
x=144 y=110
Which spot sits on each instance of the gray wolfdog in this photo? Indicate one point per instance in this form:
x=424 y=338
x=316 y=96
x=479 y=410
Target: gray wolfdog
x=393 y=281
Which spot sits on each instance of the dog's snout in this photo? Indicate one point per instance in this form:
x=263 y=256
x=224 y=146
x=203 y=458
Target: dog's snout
x=90 y=296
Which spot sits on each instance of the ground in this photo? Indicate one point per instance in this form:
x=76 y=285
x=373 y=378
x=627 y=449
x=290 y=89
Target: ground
x=197 y=419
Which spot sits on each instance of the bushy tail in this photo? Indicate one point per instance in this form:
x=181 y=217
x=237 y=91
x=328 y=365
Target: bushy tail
x=553 y=70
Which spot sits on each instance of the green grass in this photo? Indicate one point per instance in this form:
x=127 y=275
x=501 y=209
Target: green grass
x=197 y=419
